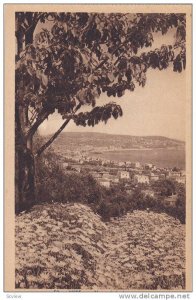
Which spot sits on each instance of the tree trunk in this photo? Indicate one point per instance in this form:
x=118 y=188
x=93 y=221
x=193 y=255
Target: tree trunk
x=24 y=158
x=24 y=169
x=19 y=37
x=24 y=179
x=29 y=35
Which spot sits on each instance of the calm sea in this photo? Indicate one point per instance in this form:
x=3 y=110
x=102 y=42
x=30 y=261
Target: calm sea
x=160 y=157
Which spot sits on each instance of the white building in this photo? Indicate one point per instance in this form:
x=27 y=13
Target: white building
x=105 y=175
x=128 y=163
x=129 y=192
x=76 y=168
x=171 y=200
x=154 y=177
x=65 y=164
x=175 y=174
x=96 y=174
x=115 y=180
x=136 y=165
x=154 y=168
x=162 y=176
x=121 y=164
x=181 y=179
x=148 y=193
x=141 y=179
x=148 y=166
x=124 y=175
x=105 y=183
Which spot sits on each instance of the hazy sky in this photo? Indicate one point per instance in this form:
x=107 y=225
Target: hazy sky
x=156 y=109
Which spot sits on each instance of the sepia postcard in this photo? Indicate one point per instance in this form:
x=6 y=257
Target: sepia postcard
x=98 y=147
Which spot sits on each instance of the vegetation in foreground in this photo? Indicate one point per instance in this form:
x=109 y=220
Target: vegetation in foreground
x=54 y=185
x=68 y=246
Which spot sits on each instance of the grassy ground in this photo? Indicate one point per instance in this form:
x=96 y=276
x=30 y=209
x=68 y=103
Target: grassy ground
x=69 y=247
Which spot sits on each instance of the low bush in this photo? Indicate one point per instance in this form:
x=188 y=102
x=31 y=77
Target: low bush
x=56 y=185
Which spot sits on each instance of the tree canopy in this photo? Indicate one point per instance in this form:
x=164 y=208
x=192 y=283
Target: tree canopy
x=85 y=55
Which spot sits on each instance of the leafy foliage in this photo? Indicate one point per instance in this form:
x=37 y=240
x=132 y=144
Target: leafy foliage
x=99 y=113
x=54 y=185
x=67 y=246
x=165 y=187
x=181 y=203
x=86 y=54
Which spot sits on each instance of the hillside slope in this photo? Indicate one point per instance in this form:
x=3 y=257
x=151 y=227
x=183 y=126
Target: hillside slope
x=69 y=247
x=75 y=140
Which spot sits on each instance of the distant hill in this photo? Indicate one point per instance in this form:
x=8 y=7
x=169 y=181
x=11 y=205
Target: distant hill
x=73 y=140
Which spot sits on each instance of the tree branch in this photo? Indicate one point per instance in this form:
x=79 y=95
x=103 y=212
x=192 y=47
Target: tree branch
x=40 y=118
x=107 y=58
x=33 y=116
x=50 y=141
x=34 y=21
x=114 y=52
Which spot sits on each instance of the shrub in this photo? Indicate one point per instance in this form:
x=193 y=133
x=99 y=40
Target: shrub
x=53 y=184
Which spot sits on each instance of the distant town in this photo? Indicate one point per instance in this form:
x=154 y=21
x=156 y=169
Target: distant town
x=109 y=173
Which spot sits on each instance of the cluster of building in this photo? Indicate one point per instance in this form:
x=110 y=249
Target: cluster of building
x=115 y=172
x=131 y=174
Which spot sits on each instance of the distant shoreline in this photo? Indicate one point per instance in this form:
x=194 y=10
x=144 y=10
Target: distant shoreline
x=160 y=157
x=127 y=149
x=136 y=149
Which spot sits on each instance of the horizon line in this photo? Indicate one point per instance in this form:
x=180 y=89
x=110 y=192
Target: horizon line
x=97 y=132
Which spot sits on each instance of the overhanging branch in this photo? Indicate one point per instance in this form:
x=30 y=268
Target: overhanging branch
x=50 y=141
x=40 y=119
